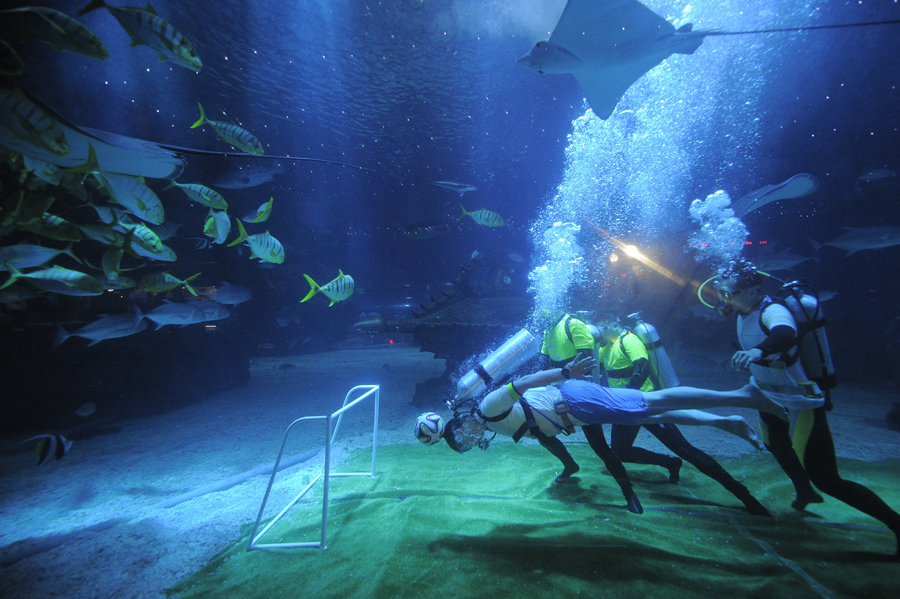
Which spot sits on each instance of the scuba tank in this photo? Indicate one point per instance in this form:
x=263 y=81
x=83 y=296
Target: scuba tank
x=595 y=333
x=812 y=341
x=520 y=348
x=661 y=371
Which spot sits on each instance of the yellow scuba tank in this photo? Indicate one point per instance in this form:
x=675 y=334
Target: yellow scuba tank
x=661 y=371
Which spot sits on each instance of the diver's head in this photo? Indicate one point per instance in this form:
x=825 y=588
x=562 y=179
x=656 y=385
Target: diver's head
x=463 y=432
x=610 y=327
x=737 y=286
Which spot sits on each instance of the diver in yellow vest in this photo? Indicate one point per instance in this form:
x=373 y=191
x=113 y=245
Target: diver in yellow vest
x=804 y=447
x=565 y=341
x=568 y=338
x=627 y=364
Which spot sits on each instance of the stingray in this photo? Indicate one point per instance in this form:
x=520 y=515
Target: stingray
x=607 y=45
x=124 y=155
x=795 y=187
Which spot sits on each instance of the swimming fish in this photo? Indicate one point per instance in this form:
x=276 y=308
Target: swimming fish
x=58 y=280
x=870 y=238
x=227 y=293
x=49 y=447
x=161 y=282
x=217 y=226
x=249 y=175
x=105 y=327
x=339 y=288
x=212 y=310
x=24 y=255
x=176 y=313
x=783 y=260
x=454 y=186
x=202 y=195
x=52 y=226
x=25 y=121
x=231 y=134
x=57 y=30
x=46 y=172
x=147 y=28
x=483 y=217
x=126 y=191
x=262 y=245
x=261 y=214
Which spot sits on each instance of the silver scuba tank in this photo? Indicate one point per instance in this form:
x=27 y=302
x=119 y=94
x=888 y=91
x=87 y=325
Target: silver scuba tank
x=595 y=333
x=812 y=347
x=517 y=350
x=661 y=371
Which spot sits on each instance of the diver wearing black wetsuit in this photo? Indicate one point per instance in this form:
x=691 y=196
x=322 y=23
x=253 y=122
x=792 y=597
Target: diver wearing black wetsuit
x=767 y=328
x=637 y=373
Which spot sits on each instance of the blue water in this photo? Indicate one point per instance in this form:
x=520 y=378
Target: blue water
x=421 y=91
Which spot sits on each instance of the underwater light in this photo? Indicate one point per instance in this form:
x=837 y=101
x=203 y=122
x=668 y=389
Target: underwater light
x=613 y=257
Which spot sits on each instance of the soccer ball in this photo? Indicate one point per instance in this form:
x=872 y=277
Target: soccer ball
x=429 y=428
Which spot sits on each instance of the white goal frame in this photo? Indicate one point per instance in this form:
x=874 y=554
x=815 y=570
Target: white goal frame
x=325 y=475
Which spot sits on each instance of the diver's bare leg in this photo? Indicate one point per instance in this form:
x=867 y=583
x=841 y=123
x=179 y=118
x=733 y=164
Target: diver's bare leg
x=736 y=425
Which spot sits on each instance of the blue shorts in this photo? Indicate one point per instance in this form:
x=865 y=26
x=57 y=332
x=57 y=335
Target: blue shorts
x=594 y=404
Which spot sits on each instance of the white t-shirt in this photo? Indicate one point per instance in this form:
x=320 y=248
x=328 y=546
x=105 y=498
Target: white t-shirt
x=541 y=400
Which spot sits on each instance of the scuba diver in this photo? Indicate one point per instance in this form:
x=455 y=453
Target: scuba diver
x=787 y=362
x=531 y=406
x=626 y=361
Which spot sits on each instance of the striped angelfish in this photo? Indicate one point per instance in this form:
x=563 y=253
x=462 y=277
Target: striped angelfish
x=25 y=121
x=483 y=216
x=57 y=30
x=262 y=245
x=232 y=134
x=203 y=195
x=147 y=28
x=336 y=290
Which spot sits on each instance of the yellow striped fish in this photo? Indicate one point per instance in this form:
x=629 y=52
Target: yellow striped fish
x=147 y=28
x=141 y=237
x=58 y=280
x=217 y=226
x=262 y=245
x=336 y=290
x=161 y=282
x=202 y=195
x=231 y=134
x=56 y=29
x=483 y=216
x=25 y=121
x=261 y=214
x=54 y=227
x=125 y=191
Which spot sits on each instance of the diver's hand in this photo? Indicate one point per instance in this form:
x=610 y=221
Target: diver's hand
x=579 y=366
x=741 y=360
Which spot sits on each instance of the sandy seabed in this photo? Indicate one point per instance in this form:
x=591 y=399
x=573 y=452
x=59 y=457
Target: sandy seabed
x=99 y=523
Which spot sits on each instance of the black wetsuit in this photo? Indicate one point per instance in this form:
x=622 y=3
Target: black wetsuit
x=818 y=465
x=624 y=435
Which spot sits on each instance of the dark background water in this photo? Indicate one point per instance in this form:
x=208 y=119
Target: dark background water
x=419 y=91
